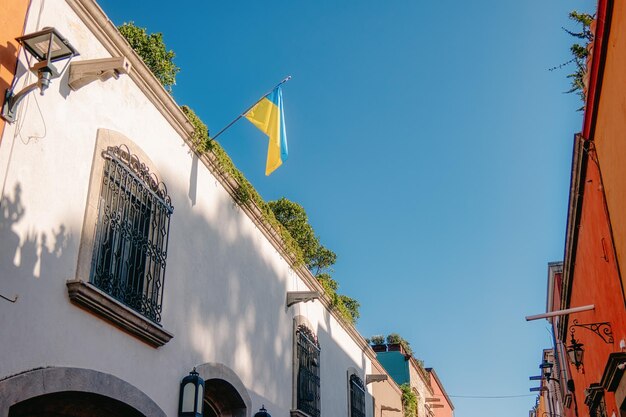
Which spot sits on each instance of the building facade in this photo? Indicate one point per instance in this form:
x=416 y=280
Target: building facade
x=590 y=344
x=126 y=259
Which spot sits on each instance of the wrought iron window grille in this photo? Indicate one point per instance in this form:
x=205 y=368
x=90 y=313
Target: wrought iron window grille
x=308 y=378
x=357 y=397
x=132 y=232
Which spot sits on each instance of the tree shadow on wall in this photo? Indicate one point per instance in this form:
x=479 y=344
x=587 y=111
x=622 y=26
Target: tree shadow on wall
x=31 y=256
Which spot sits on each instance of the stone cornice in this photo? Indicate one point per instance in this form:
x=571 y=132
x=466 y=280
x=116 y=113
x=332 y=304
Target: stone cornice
x=105 y=31
x=574 y=212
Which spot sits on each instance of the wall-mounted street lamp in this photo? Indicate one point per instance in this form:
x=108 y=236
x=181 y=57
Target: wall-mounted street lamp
x=575 y=352
x=547 y=371
x=46 y=46
x=262 y=412
x=191 y=395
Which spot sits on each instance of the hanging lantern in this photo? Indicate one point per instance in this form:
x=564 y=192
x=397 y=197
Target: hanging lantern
x=262 y=412
x=191 y=395
x=575 y=353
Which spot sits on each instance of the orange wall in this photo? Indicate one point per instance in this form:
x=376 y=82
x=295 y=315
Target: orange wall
x=610 y=131
x=595 y=281
x=12 y=16
x=438 y=392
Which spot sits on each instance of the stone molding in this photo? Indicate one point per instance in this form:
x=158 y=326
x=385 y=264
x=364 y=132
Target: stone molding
x=612 y=373
x=106 y=307
x=29 y=384
x=298 y=413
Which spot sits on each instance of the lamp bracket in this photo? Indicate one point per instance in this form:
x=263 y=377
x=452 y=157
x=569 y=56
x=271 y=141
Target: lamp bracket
x=45 y=73
x=87 y=71
x=294 y=297
x=602 y=329
x=375 y=378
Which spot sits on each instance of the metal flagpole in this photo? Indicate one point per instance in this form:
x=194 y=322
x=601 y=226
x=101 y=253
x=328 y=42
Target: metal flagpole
x=250 y=108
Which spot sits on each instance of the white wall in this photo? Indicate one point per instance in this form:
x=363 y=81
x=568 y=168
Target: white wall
x=225 y=283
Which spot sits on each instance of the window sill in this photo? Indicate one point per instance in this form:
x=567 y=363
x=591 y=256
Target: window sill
x=106 y=307
x=298 y=413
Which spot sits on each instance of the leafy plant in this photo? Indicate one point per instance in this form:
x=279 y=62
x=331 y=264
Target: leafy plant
x=347 y=307
x=245 y=191
x=409 y=400
x=152 y=50
x=378 y=340
x=580 y=52
x=395 y=338
x=293 y=217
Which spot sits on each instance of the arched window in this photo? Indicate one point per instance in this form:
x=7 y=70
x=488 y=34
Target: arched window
x=308 y=374
x=132 y=229
x=357 y=397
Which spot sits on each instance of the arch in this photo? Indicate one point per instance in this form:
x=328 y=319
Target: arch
x=301 y=320
x=43 y=381
x=224 y=391
x=72 y=404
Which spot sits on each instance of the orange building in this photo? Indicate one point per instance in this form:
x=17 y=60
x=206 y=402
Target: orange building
x=440 y=404
x=595 y=244
x=12 y=18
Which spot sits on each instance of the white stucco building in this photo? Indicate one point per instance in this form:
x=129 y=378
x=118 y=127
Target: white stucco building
x=132 y=263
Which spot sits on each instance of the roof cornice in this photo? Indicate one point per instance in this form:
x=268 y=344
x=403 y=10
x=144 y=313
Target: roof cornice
x=574 y=212
x=595 y=63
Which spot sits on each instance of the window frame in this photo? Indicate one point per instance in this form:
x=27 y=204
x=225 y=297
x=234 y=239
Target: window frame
x=302 y=331
x=132 y=232
x=354 y=381
x=80 y=290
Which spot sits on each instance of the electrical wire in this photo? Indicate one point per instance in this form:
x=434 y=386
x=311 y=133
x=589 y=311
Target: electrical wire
x=492 y=396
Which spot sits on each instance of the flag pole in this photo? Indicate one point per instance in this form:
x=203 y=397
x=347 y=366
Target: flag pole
x=287 y=78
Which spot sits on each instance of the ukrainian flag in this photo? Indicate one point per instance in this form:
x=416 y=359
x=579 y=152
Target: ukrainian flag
x=268 y=116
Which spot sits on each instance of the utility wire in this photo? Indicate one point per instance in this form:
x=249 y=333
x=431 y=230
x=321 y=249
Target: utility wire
x=492 y=396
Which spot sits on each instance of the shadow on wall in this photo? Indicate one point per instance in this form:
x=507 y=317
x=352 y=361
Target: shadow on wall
x=37 y=255
x=8 y=52
x=222 y=283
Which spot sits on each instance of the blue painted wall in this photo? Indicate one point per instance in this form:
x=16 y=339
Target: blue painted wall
x=396 y=366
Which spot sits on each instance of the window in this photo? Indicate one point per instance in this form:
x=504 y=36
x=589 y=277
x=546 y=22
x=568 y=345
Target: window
x=594 y=398
x=357 y=397
x=132 y=228
x=308 y=376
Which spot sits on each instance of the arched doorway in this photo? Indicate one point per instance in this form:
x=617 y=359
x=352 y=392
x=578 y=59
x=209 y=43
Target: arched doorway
x=72 y=404
x=221 y=399
x=225 y=395
x=72 y=392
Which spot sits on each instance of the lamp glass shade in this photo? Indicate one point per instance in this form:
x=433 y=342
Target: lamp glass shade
x=189 y=398
x=191 y=395
x=575 y=353
x=47 y=42
x=200 y=397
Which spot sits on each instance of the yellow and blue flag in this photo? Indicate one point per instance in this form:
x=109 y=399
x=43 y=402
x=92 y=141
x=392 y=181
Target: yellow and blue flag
x=267 y=115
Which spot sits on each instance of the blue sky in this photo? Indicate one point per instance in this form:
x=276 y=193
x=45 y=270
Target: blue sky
x=430 y=146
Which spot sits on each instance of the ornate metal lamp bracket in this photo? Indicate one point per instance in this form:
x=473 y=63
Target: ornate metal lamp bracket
x=602 y=329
